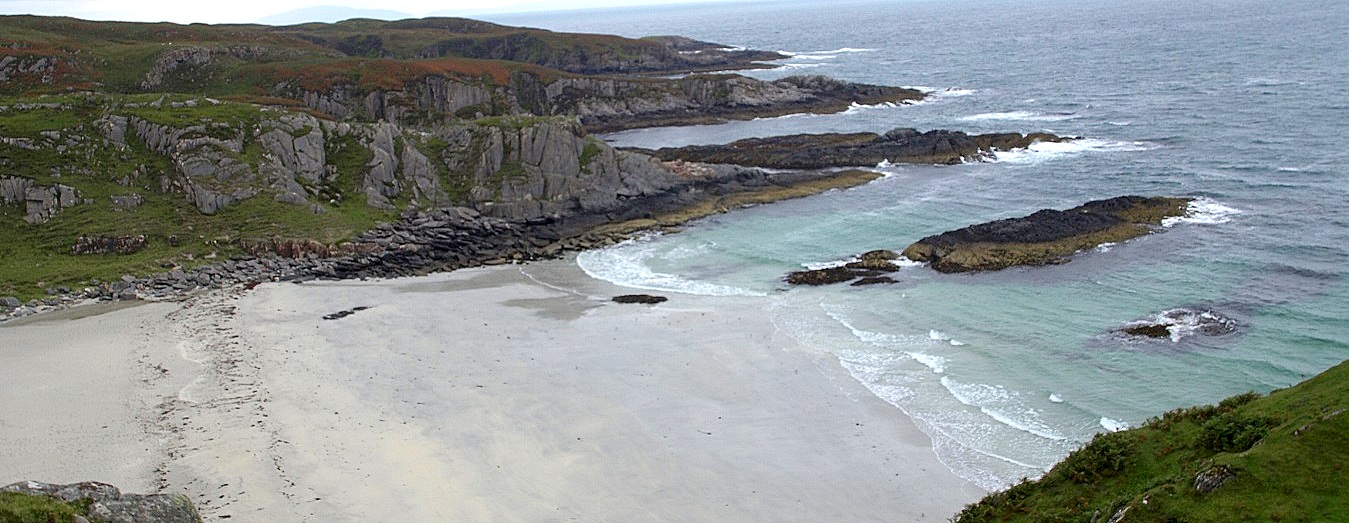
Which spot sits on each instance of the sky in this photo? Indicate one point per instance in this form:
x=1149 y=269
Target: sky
x=284 y=11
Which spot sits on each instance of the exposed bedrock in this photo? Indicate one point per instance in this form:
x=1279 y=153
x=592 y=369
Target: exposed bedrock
x=818 y=151
x=1045 y=237
x=108 y=503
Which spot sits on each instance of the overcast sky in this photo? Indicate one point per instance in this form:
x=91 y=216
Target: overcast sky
x=248 y=11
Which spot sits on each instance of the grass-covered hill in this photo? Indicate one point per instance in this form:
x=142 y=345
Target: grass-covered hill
x=135 y=147
x=1279 y=458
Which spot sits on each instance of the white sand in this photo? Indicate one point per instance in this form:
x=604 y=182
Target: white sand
x=522 y=394
x=78 y=396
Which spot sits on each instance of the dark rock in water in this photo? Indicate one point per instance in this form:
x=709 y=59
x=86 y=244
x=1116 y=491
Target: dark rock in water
x=640 y=298
x=821 y=276
x=1150 y=331
x=111 y=505
x=873 y=280
x=342 y=314
x=1175 y=324
x=1045 y=237
x=819 y=151
x=869 y=266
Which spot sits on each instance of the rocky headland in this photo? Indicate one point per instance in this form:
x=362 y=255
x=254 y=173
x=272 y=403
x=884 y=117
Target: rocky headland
x=1045 y=237
x=819 y=151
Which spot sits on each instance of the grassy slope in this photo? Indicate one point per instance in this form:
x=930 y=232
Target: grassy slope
x=1293 y=471
x=35 y=257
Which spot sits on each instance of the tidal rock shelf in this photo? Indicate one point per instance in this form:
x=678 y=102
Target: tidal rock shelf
x=1046 y=237
x=821 y=151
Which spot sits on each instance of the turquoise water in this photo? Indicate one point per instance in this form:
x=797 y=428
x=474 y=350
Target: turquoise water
x=1242 y=104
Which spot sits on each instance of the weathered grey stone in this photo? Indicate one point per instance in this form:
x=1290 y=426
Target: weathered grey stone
x=10 y=302
x=111 y=505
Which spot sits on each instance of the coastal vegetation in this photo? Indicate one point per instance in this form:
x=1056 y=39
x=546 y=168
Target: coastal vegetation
x=185 y=145
x=1248 y=458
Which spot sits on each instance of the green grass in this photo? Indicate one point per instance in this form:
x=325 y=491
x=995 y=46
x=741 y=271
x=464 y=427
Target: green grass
x=1287 y=451
x=25 y=508
x=36 y=257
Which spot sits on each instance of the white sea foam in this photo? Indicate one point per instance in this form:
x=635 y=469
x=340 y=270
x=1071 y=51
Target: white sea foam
x=956 y=343
x=1105 y=247
x=936 y=363
x=1020 y=115
x=1041 y=151
x=1003 y=406
x=830 y=52
x=937 y=335
x=626 y=264
x=1113 y=425
x=799 y=66
x=1204 y=211
x=1055 y=398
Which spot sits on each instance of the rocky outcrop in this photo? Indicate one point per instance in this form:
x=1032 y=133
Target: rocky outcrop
x=174 y=61
x=41 y=203
x=868 y=269
x=1045 y=237
x=603 y=104
x=598 y=54
x=818 y=151
x=87 y=245
x=34 y=68
x=1179 y=323
x=608 y=104
x=110 y=505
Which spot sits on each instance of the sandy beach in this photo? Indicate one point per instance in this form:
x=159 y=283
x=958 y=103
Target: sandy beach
x=511 y=393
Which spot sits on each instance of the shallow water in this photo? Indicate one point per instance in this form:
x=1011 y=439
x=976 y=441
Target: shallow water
x=1241 y=104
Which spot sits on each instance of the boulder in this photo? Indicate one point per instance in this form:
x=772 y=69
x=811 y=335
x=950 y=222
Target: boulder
x=109 y=504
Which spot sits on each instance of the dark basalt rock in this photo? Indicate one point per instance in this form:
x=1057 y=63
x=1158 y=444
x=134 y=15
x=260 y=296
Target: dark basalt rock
x=1149 y=331
x=870 y=267
x=1045 y=237
x=1178 y=323
x=646 y=299
x=873 y=280
x=112 y=506
x=819 y=151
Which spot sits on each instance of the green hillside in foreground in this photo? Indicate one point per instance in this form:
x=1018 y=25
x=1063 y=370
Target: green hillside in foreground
x=1283 y=457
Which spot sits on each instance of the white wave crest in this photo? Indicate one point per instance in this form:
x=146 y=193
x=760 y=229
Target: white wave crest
x=1001 y=405
x=625 y=264
x=1020 y=115
x=1113 y=425
x=1203 y=211
x=1055 y=398
x=1040 y=151
x=936 y=363
x=829 y=52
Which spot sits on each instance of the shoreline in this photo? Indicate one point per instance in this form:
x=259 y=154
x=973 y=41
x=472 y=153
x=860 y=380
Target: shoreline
x=489 y=241
x=288 y=416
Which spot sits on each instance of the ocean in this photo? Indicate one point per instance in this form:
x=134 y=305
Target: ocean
x=1241 y=104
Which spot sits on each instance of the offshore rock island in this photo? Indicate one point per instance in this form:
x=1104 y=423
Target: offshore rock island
x=820 y=151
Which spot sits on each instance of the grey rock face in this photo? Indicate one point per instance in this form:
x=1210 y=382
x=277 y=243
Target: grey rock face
x=41 y=203
x=112 y=506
